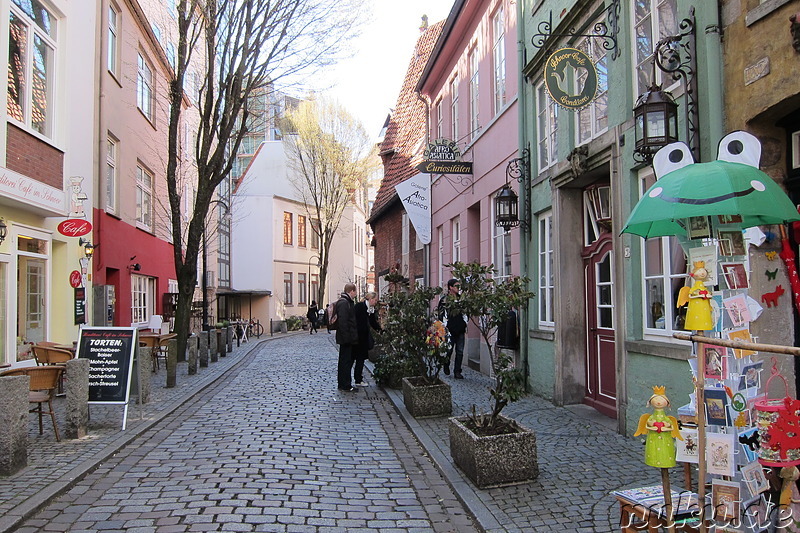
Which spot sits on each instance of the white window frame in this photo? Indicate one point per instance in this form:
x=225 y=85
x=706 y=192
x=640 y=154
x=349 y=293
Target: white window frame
x=171 y=56
x=474 y=93
x=440 y=235
x=112 y=62
x=302 y=288
x=144 y=87
x=546 y=281
x=455 y=232
x=112 y=178
x=288 y=287
x=499 y=58
x=144 y=198
x=596 y=113
x=454 y=107
x=501 y=248
x=33 y=33
x=652 y=24
x=439 y=119
x=143 y=294
x=546 y=128
x=668 y=247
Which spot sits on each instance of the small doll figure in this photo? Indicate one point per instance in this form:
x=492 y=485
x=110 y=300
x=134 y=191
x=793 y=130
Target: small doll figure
x=661 y=430
x=698 y=315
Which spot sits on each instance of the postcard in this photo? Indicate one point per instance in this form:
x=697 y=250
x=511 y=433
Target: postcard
x=708 y=255
x=729 y=219
x=735 y=275
x=719 y=454
x=731 y=243
x=717 y=312
x=751 y=376
x=754 y=478
x=716 y=402
x=738 y=310
x=688 y=449
x=741 y=334
x=725 y=499
x=699 y=227
x=716 y=361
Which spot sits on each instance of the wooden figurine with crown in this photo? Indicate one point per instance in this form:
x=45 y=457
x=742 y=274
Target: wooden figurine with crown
x=661 y=430
x=698 y=315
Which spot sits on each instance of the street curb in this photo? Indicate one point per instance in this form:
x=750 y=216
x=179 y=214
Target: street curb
x=44 y=497
x=464 y=491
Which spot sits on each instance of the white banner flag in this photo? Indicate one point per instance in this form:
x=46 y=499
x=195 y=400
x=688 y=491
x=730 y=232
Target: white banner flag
x=415 y=193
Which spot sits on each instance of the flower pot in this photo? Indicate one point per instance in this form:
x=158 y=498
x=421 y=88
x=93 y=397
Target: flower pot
x=494 y=460
x=427 y=401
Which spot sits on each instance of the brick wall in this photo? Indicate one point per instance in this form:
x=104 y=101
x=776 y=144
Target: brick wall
x=389 y=244
x=34 y=158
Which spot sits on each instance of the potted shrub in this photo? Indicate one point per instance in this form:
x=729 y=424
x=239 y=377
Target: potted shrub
x=426 y=395
x=490 y=448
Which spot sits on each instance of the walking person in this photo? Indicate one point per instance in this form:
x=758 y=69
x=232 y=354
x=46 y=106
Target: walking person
x=313 y=316
x=346 y=335
x=366 y=321
x=456 y=323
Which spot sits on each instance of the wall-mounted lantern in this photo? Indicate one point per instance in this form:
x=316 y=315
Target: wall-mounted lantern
x=656 y=118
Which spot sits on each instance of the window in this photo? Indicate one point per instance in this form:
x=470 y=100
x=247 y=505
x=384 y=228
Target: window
x=302 y=289
x=287 y=228
x=439 y=120
x=171 y=55
x=652 y=20
x=31 y=65
x=172 y=7
x=144 y=88
x=440 y=236
x=663 y=274
x=474 y=110
x=301 y=231
x=144 y=196
x=456 y=232
x=111 y=175
x=546 y=279
x=593 y=119
x=143 y=296
x=546 y=127
x=454 y=108
x=501 y=250
x=315 y=235
x=113 y=42
x=499 y=59
x=157 y=32
x=287 y=288
x=315 y=288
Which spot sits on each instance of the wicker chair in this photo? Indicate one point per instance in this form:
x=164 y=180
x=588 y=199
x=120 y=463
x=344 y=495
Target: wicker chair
x=50 y=355
x=43 y=385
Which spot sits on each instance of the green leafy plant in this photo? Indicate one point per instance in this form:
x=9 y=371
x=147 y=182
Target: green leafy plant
x=487 y=301
x=294 y=323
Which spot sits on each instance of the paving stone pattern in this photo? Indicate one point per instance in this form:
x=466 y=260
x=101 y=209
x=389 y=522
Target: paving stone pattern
x=273 y=446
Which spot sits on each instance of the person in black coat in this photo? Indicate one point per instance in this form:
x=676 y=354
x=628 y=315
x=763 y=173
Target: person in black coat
x=346 y=335
x=366 y=321
x=313 y=316
x=456 y=322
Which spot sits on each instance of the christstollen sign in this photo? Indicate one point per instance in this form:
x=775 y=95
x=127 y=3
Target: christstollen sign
x=570 y=78
x=415 y=193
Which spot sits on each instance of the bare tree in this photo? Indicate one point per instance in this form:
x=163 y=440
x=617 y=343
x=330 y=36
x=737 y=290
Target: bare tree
x=331 y=157
x=227 y=49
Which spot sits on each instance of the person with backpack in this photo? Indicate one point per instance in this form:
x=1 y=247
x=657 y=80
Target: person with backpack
x=366 y=320
x=456 y=323
x=343 y=321
x=312 y=315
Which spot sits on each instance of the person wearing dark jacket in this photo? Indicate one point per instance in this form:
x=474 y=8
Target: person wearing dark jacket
x=346 y=335
x=313 y=317
x=365 y=322
x=456 y=323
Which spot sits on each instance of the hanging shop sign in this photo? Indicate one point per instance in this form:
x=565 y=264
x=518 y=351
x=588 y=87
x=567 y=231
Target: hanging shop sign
x=442 y=156
x=415 y=193
x=74 y=227
x=80 y=305
x=570 y=78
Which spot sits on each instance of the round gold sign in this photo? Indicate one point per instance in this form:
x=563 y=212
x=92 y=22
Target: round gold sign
x=570 y=78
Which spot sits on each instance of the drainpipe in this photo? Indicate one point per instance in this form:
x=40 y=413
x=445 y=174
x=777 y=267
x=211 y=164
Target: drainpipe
x=712 y=40
x=524 y=188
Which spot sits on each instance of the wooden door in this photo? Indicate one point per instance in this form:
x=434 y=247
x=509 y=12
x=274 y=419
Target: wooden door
x=601 y=368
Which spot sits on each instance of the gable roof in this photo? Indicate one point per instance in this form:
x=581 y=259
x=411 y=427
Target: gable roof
x=404 y=141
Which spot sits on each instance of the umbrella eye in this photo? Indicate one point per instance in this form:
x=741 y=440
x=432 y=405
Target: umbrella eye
x=735 y=147
x=655 y=193
x=675 y=156
x=757 y=185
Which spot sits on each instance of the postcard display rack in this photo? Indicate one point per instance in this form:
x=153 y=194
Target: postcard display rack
x=737 y=385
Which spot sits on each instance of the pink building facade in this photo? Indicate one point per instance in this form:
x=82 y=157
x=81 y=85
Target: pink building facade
x=470 y=82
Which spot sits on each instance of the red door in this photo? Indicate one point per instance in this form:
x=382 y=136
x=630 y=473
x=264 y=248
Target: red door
x=601 y=368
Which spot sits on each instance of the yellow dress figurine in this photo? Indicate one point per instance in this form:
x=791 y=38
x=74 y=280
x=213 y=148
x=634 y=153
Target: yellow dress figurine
x=698 y=315
x=661 y=430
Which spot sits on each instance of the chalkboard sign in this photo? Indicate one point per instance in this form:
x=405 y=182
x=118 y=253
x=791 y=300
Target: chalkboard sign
x=110 y=354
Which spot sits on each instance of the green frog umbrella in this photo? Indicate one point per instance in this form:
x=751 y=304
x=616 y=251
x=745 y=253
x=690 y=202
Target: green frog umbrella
x=732 y=185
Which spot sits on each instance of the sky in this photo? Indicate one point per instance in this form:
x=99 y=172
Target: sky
x=368 y=84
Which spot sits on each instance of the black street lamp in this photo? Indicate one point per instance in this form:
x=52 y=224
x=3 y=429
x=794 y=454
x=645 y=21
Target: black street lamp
x=205 y=268
x=656 y=118
x=319 y=264
x=506 y=208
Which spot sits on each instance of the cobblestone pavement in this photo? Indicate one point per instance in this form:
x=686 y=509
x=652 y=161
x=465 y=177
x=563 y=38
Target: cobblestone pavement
x=273 y=446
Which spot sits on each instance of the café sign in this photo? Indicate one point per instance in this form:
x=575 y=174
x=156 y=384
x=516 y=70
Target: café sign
x=74 y=227
x=442 y=156
x=571 y=78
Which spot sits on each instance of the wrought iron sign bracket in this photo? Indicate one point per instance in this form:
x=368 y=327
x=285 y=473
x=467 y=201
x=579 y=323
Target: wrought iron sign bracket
x=676 y=55
x=607 y=32
x=519 y=169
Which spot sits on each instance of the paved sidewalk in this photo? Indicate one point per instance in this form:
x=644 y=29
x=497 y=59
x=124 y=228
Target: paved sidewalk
x=53 y=467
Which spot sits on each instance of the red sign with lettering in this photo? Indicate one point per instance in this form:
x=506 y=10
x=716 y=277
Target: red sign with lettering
x=75 y=227
x=75 y=279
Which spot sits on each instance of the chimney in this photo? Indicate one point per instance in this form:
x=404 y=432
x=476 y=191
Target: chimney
x=424 y=25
